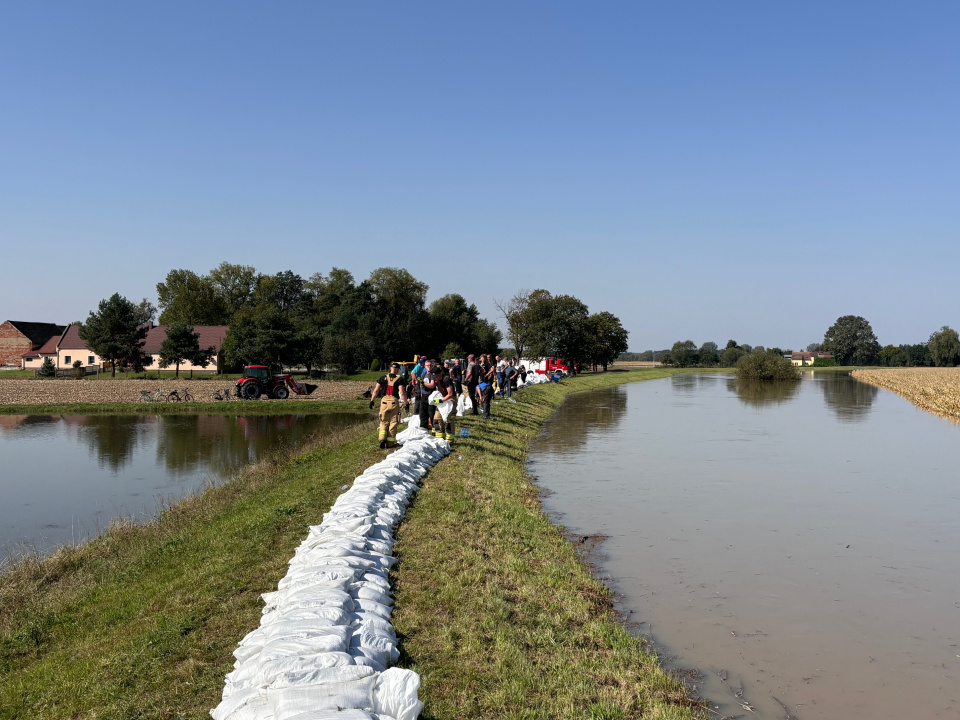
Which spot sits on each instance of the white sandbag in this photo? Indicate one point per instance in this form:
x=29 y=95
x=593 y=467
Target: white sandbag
x=339 y=715
x=372 y=606
x=461 y=405
x=395 y=694
x=302 y=677
x=367 y=591
x=248 y=704
x=289 y=702
x=267 y=673
x=301 y=646
x=307 y=629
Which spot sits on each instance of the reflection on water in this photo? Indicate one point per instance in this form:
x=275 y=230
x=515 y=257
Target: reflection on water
x=757 y=393
x=849 y=401
x=800 y=560
x=598 y=411
x=66 y=477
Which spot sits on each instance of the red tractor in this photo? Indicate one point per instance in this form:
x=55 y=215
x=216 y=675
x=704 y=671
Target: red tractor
x=257 y=380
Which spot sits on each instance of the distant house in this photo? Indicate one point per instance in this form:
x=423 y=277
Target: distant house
x=18 y=338
x=210 y=336
x=68 y=347
x=806 y=358
x=72 y=348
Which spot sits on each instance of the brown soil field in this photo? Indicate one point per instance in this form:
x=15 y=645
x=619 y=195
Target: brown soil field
x=935 y=390
x=66 y=391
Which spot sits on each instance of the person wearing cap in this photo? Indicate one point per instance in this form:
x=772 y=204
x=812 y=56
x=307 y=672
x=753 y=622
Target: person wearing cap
x=456 y=376
x=390 y=386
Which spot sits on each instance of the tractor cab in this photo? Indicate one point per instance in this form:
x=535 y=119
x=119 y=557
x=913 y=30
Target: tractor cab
x=260 y=372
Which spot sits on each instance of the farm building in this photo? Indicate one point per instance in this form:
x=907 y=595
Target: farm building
x=18 y=338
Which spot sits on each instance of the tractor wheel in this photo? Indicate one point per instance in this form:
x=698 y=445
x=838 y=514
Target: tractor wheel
x=250 y=390
x=280 y=392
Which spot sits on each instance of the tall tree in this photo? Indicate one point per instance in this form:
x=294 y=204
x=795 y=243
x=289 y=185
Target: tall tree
x=234 y=284
x=851 y=340
x=451 y=321
x=608 y=338
x=684 y=353
x=399 y=302
x=182 y=344
x=945 y=347
x=115 y=333
x=259 y=335
x=519 y=321
x=709 y=354
x=186 y=297
x=486 y=337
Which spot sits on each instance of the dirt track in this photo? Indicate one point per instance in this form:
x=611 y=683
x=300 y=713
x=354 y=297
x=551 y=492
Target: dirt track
x=67 y=391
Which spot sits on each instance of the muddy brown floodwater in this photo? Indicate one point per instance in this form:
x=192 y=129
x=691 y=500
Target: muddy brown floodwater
x=797 y=547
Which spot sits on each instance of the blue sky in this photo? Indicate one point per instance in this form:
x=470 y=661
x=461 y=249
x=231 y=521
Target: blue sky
x=703 y=170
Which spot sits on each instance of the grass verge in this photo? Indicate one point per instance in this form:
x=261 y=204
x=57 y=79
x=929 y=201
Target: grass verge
x=494 y=609
x=233 y=407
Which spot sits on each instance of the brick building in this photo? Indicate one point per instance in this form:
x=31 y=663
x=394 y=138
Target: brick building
x=19 y=338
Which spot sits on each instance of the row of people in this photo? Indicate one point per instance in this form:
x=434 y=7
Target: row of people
x=477 y=382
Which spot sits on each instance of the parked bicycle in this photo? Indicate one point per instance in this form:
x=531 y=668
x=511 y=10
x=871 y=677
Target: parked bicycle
x=147 y=396
x=222 y=395
x=174 y=396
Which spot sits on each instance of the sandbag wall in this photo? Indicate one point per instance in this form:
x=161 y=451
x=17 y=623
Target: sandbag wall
x=325 y=641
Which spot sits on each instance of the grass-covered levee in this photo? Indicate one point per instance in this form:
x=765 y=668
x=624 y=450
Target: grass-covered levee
x=493 y=609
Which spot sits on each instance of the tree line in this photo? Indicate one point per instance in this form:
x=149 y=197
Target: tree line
x=284 y=320
x=850 y=340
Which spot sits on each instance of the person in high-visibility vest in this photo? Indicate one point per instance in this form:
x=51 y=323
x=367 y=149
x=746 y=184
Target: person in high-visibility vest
x=390 y=386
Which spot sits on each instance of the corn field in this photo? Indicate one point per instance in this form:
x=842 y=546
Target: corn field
x=935 y=390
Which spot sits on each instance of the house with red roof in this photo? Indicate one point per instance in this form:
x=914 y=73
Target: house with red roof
x=68 y=347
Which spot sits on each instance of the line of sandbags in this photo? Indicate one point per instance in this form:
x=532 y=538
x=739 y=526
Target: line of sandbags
x=325 y=643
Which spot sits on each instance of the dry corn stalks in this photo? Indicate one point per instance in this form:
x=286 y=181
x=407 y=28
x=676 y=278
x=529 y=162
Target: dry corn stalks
x=935 y=390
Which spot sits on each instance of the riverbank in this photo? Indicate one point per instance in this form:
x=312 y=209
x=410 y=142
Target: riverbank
x=936 y=390
x=493 y=608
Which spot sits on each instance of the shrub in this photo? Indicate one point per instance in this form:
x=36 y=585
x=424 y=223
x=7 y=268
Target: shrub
x=78 y=371
x=375 y=365
x=47 y=369
x=763 y=366
x=824 y=362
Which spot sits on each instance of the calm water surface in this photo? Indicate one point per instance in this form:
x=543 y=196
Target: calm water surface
x=799 y=547
x=64 y=478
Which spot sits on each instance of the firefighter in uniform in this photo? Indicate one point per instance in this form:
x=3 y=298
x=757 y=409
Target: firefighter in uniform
x=391 y=388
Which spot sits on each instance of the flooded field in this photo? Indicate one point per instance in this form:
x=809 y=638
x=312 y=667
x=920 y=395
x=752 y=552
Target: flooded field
x=796 y=547
x=64 y=478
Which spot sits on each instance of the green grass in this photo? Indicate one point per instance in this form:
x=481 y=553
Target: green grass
x=494 y=609
x=233 y=407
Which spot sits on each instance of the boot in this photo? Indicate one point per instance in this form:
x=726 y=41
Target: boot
x=383 y=443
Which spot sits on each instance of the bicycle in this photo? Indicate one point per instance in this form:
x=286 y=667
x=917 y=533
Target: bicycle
x=147 y=396
x=174 y=396
x=222 y=395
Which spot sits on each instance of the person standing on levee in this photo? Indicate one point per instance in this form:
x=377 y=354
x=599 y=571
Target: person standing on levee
x=390 y=386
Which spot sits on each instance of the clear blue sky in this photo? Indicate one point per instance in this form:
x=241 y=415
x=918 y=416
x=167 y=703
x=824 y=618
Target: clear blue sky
x=703 y=170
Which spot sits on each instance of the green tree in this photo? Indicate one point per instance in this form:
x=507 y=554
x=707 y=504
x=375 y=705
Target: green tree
x=453 y=350
x=945 y=347
x=186 y=297
x=709 y=354
x=235 y=285
x=259 y=335
x=607 y=339
x=730 y=356
x=766 y=366
x=451 y=321
x=684 y=353
x=78 y=372
x=182 y=344
x=47 y=368
x=852 y=341
x=486 y=337
x=399 y=301
x=519 y=320
x=558 y=327
x=115 y=333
